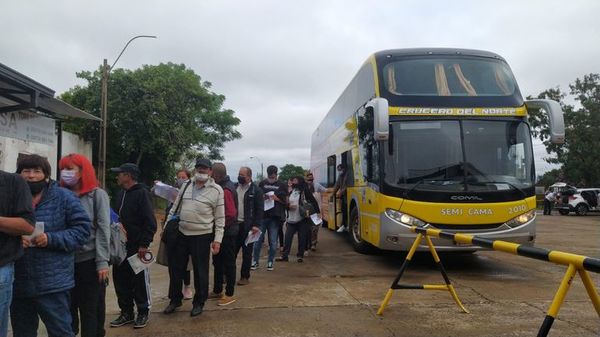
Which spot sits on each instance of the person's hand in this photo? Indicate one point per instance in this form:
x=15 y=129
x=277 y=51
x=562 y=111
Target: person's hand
x=141 y=252
x=293 y=207
x=254 y=229
x=215 y=247
x=338 y=194
x=102 y=275
x=41 y=240
x=25 y=242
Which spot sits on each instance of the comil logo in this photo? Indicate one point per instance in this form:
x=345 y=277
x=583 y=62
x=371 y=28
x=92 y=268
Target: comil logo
x=465 y=198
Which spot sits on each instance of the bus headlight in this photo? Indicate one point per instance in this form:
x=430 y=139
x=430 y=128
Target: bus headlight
x=403 y=218
x=521 y=219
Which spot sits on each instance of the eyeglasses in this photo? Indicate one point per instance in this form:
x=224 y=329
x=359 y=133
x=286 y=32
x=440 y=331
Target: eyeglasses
x=310 y=181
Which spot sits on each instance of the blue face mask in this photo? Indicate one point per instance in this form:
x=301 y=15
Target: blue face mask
x=69 y=177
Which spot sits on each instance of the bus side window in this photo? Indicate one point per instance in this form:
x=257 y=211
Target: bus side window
x=331 y=171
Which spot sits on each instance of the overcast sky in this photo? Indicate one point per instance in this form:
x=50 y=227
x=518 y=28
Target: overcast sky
x=282 y=64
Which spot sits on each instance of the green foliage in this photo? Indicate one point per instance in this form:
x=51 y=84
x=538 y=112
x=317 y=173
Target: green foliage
x=158 y=115
x=290 y=170
x=579 y=157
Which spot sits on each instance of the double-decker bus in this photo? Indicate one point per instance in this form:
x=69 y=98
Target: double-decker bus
x=433 y=138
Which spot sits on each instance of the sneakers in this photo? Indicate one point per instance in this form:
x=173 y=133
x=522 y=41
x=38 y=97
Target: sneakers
x=124 y=318
x=215 y=296
x=270 y=266
x=282 y=259
x=341 y=229
x=254 y=265
x=141 y=321
x=187 y=292
x=226 y=300
x=243 y=281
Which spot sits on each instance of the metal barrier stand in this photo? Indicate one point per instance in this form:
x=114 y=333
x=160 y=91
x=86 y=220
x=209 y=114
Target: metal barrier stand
x=576 y=264
x=395 y=285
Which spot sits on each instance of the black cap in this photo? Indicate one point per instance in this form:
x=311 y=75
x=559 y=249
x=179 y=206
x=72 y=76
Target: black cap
x=127 y=168
x=203 y=162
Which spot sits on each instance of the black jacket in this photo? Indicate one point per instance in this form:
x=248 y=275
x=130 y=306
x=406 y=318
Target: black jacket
x=15 y=201
x=280 y=190
x=136 y=213
x=253 y=207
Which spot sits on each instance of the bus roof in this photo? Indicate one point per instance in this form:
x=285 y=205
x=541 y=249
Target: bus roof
x=436 y=51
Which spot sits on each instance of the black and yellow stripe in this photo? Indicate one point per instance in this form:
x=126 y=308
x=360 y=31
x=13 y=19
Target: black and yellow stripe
x=576 y=264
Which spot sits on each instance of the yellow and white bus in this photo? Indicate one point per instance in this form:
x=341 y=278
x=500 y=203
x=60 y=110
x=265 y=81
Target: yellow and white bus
x=434 y=138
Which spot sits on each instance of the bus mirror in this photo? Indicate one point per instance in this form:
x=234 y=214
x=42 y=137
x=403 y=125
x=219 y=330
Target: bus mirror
x=381 y=118
x=555 y=118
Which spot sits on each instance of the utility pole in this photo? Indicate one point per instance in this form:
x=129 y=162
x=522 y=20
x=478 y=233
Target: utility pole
x=103 y=126
x=104 y=112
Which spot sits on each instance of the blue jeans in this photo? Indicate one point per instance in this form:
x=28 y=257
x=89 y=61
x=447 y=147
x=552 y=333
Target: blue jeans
x=53 y=309
x=271 y=225
x=7 y=274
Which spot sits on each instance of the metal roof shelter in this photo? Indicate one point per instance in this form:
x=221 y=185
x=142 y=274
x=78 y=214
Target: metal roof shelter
x=19 y=92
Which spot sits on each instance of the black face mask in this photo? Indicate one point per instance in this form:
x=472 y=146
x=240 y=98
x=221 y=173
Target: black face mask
x=241 y=180
x=37 y=186
x=295 y=186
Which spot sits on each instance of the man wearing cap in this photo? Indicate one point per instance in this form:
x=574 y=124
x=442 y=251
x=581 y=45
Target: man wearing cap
x=136 y=213
x=201 y=226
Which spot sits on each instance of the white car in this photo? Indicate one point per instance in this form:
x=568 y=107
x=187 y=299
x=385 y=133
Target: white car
x=581 y=201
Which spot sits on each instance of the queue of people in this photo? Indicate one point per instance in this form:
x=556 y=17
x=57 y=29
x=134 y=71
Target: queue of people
x=55 y=238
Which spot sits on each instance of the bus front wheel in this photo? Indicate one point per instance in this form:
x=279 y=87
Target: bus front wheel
x=358 y=243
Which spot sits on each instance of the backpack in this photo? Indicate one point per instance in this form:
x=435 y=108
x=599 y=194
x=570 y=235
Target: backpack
x=117 y=252
x=116 y=249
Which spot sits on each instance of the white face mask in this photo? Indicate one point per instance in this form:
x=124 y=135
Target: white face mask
x=69 y=177
x=201 y=176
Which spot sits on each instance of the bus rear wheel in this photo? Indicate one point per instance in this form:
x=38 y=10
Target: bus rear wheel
x=358 y=243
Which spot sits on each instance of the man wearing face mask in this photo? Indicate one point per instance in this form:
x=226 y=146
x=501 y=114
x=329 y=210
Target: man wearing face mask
x=276 y=191
x=16 y=219
x=250 y=217
x=136 y=213
x=44 y=276
x=201 y=224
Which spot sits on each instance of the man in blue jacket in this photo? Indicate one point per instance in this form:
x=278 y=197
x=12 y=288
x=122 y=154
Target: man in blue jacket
x=44 y=275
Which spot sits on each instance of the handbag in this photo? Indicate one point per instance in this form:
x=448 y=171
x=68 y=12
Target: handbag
x=162 y=258
x=305 y=207
x=172 y=226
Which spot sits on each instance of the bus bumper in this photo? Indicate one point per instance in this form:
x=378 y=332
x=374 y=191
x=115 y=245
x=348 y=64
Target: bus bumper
x=397 y=236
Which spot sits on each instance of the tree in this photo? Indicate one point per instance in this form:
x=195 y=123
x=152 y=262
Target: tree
x=158 y=116
x=290 y=170
x=580 y=154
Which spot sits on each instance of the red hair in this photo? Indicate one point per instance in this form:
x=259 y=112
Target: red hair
x=88 y=175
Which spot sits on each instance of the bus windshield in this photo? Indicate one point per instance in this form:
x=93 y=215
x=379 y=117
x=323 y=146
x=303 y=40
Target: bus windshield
x=449 y=76
x=459 y=155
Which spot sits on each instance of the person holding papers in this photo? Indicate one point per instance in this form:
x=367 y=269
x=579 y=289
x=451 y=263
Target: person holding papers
x=250 y=216
x=200 y=232
x=44 y=276
x=275 y=198
x=300 y=200
x=136 y=213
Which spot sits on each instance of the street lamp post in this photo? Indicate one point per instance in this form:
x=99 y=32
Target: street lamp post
x=104 y=111
x=261 y=166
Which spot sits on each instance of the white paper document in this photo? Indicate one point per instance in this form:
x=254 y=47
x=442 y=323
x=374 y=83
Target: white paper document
x=252 y=237
x=39 y=229
x=269 y=202
x=138 y=265
x=166 y=191
x=316 y=219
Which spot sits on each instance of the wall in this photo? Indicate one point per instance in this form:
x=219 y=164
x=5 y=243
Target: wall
x=10 y=149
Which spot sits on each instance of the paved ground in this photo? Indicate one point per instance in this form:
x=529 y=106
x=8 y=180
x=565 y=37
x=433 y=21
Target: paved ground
x=336 y=292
